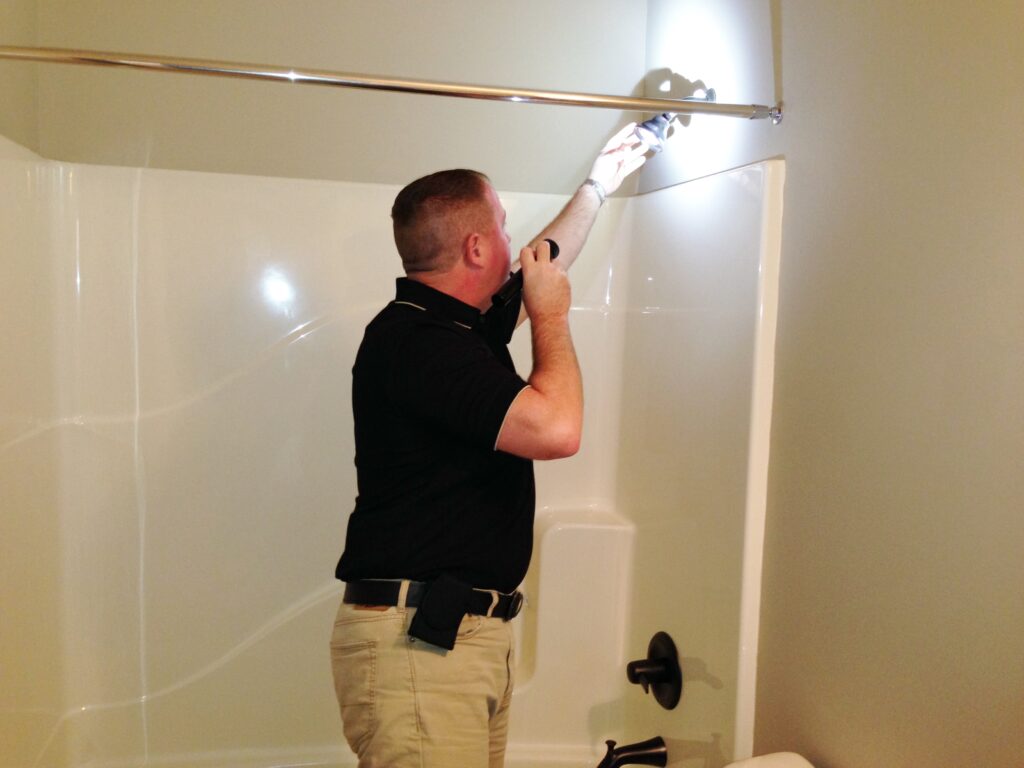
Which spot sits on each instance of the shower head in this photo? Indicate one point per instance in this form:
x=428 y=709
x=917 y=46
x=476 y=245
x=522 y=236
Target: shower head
x=653 y=132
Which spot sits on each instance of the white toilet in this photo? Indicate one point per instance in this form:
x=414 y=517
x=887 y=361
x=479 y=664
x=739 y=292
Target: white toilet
x=776 y=760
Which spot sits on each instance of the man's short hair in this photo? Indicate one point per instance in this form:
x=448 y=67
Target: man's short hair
x=430 y=214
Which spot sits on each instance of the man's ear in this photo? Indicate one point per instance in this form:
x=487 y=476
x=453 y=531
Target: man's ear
x=474 y=251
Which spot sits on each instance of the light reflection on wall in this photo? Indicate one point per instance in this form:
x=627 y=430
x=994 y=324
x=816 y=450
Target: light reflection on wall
x=720 y=44
x=703 y=45
x=277 y=290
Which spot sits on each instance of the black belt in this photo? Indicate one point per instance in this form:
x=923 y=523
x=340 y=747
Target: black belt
x=483 y=602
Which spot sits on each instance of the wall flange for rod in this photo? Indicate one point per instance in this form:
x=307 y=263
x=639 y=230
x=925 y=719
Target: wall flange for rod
x=659 y=672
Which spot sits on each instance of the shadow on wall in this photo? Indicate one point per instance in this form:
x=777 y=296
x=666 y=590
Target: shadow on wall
x=696 y=671
x=696 y=754
x=663 y=83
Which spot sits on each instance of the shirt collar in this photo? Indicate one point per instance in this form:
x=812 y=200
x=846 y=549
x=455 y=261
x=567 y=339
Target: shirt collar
x=436 y=302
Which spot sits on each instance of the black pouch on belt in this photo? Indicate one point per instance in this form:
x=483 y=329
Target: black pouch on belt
x=443 y=604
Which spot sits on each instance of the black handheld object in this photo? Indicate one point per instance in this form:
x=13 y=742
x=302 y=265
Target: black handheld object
x=513 y=287
x=503 y=315
x=442 y=607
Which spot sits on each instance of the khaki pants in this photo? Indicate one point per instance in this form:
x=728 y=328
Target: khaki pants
x=408 y=704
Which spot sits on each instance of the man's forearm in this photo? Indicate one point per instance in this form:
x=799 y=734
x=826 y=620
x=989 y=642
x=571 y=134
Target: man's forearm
x=572 y=225
x=622 y=155
x=570 y=229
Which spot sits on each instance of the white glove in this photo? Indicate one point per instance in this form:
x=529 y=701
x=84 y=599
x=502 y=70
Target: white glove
x=622 y=155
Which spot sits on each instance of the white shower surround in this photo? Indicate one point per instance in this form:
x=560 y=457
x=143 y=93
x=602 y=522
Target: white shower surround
x=183 y=344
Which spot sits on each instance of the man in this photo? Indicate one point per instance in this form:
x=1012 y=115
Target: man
x=446 y=432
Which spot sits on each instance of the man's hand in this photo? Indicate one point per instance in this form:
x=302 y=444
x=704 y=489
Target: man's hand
x=622 y=155
x=546 y=291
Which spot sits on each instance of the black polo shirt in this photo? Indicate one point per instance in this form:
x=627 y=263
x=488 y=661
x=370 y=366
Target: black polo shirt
x=429 y=395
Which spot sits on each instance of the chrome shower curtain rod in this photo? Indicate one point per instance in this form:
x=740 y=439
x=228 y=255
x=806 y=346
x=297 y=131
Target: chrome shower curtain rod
x=348 y=80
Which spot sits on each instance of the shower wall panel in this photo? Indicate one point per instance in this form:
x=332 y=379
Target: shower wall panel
x=177 y=452
x=70 y=540
x=697 y=303
x=252 y=295
x=100 y=503
x=31 y=665
x=178 y=446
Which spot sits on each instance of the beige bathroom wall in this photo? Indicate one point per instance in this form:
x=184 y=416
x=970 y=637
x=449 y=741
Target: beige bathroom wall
x=139 y=119
x=18 y=118
x=893 y=607
x=893 y=623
